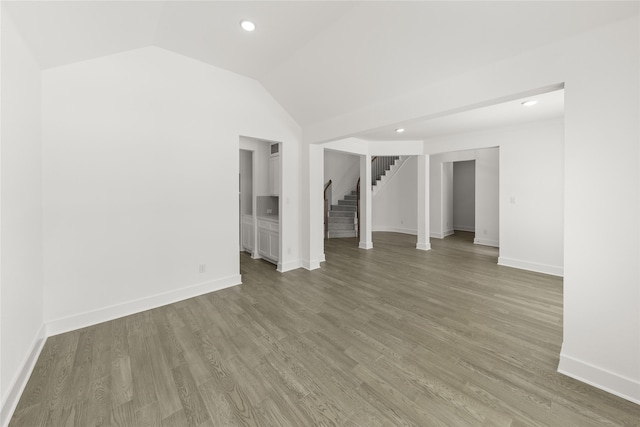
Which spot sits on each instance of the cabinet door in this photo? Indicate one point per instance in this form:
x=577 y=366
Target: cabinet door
x=263 y=242
x=274 y=246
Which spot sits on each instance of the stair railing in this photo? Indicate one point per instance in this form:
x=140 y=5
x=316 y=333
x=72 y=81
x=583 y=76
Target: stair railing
x=379 y=166
x=327 y=202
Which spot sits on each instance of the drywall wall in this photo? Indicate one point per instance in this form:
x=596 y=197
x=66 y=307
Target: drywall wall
x=464 y=196
x=530 y=218
x=260 y=151
x=486 y=193
x=446 y=224
x=140 y=166
x=246 y=182
x=532 y=198
x=395 y=206
x=21 y=278
x=343 y=169
x=599 y=70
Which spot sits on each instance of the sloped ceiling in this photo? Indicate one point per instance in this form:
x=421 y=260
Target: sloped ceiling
x=318 y=59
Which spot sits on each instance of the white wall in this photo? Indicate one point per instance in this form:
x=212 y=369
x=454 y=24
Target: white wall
x=260 y=151
x=21 y=277
x=246 y=182
x=140 y=172
x=486 y=192
x=531 y=195
x=446 y=224
x=464 y=196
x=532 y=199
x=343 y=169
x=395 y=207
x=599 y=70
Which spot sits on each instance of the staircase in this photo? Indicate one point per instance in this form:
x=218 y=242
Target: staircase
x=342 y=217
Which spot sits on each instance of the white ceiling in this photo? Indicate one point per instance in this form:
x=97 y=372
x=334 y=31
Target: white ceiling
x=549 y=106
x=318 y=59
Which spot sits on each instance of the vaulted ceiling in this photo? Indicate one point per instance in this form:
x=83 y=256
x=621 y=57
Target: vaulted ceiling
x=318 y=59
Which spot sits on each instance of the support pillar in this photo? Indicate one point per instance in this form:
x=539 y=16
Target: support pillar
x=366 y=241
x=424 y=231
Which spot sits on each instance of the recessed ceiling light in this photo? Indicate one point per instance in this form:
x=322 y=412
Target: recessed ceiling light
x=529 y=103
x=247 y=25
x=400 y=130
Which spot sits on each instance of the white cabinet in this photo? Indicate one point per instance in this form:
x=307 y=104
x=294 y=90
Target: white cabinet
x=274 y=171
x=269 y=239
x=248 y=239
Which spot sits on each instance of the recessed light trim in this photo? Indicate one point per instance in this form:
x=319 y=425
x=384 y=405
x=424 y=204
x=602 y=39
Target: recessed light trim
x=400 y=130
x=529 y=103
x=247 y=25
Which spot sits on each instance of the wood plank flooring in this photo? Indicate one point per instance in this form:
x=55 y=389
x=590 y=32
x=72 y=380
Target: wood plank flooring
x=386 y=337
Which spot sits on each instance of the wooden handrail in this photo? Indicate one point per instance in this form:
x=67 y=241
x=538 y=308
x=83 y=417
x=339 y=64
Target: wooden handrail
x=326 y=210
x=326 y=187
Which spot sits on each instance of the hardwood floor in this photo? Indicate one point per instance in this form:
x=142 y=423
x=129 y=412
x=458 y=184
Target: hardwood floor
x=386 y=337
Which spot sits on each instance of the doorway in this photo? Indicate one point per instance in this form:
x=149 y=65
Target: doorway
x=464 y=196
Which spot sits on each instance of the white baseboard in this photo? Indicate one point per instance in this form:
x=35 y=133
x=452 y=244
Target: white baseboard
x=310 y=264
x=437 y=235
x=283 y=267
x=82 y=320
x=365 y=245
x=464 y=228
x=423 y=246
x=486 y=242
x=553 y=270
x=18 y=383
x=603 y=379
x=322 y=258
x=395 y=230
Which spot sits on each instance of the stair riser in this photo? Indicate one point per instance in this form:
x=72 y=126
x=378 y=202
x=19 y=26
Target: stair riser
x=343 y=208
x=345 y=227
x=343 y=214
x=341 y=219
x=334 y=234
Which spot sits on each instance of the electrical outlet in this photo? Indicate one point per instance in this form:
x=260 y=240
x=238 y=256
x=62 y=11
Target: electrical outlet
x=202 y=268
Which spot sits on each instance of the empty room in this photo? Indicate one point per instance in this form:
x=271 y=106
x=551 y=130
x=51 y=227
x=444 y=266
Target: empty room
x=306 y=213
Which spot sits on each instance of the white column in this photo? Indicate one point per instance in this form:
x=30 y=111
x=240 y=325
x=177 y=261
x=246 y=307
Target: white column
x=366 y=242
x=316 y=207
x=423 y=203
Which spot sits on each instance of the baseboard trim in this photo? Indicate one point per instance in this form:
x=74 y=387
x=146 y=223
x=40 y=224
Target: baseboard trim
x=19 y=382
x=531 y=266
x=486 y=242
x=423 y=246
x=283 y=267
x=437 y=235
x=464 y=228
x=82 y=320
x=310 y=264
x=365 y=245
x=396 y=230
x=610 y=382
